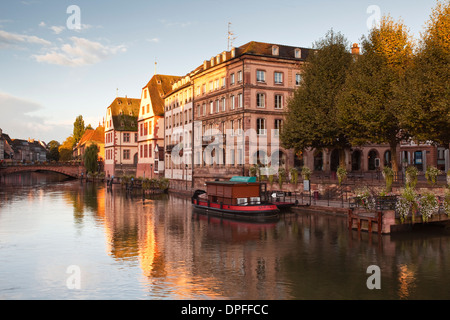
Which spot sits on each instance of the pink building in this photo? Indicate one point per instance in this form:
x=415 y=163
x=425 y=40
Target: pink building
x=121 y=137
x=151 y=126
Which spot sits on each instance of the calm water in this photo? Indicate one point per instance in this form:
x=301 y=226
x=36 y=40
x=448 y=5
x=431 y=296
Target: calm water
x=119 y=247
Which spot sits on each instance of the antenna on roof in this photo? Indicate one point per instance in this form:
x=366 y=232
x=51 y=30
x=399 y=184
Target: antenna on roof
x=230 y=37
x=155 y=65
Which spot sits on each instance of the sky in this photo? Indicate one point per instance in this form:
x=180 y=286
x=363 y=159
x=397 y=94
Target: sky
x=60 y=59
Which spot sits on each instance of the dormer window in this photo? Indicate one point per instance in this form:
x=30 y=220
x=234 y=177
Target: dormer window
x=298 y=53
x=275 y=51
x=233 y=52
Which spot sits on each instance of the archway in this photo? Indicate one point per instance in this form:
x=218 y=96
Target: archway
x=318 y=160
x=334 y=160
x=372 y=160
x=356 y=160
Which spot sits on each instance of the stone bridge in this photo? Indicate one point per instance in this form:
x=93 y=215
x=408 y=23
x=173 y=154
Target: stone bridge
x=73 y=171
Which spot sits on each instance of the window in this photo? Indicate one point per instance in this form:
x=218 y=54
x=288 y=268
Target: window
x=278 y=101
x=260 y=100
x=277 y=126
x=126 y=137
x=204 y=88
x=223 y=104
x=126 y=154
x=275 y=51
x=223 y=82
x=135 y=137
x=217 y=105
x=232 y=102
x=298 y=53
x=261 y=126
x=260 y=76
x=239 y=76
x=240 y=102
x=232 y=79
x=278 y=78
x=298 y=79
x=211 y=107
x=204 y=108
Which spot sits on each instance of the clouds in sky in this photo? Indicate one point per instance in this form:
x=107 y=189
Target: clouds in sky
x=79 y=52
x=74 y=52
x=22 y=123
x=9 y=38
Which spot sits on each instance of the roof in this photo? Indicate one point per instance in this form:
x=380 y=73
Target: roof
x=124 y=113
x=97 y=135
x=158 y=86
x=265 y=49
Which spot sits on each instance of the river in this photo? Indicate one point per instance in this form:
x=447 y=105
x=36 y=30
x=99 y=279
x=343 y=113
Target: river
x=71 y=240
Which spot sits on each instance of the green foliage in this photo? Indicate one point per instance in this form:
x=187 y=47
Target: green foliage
x=311 y=120
x=306 y=173
x=78 y=129
x=341 y=174
x=423 y=93
x=90 y=158
x=411 y=176
x=366 y=107
x=294 y=176
x=53 y=147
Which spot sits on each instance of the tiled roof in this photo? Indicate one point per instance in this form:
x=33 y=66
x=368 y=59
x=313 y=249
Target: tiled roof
x=158 y=86
x=125 y=112
x=265 y=49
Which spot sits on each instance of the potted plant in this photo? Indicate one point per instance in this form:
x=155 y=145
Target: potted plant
x=388 y=175
x=341 y=174
x=306 y=173
x=431 y=174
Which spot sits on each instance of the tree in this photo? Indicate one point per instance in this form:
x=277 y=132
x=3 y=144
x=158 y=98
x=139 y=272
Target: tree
x=367 y=110
x=66 y=149
x=312 y=118
x=90 y=158
x=424 y=91
x=53 y=147
x=78 y=129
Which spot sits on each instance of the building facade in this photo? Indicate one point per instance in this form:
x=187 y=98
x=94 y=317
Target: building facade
x=121 y=137
x=179 y=125
x=240 y=100
x=151 y=126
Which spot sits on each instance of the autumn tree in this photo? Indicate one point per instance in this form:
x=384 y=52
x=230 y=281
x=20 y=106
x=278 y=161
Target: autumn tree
x=312 y=118
x=66 y=149
x=367 y=109
x=424 y=92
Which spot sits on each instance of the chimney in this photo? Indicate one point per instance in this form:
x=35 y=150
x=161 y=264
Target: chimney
x=355 y=49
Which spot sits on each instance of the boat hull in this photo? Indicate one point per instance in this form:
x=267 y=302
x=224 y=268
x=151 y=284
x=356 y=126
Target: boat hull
x=259 y=212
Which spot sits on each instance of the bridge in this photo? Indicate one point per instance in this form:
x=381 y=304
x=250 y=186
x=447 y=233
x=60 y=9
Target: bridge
x=70 y=170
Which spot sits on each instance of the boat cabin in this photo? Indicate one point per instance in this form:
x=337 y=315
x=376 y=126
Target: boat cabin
x=237 y=191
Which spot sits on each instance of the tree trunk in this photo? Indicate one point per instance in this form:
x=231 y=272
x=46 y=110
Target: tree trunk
x=394 y=159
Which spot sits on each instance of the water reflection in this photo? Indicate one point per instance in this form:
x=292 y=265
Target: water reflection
x=160 y=248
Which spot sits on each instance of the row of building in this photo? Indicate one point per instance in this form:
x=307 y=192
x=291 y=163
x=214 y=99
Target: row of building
x=224 y=117
x=19 y=150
